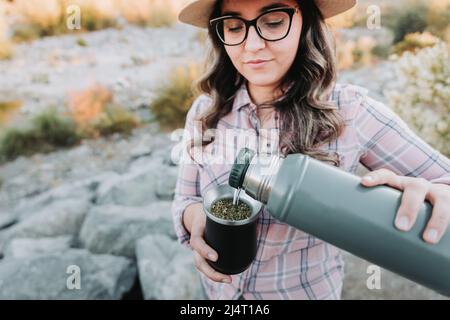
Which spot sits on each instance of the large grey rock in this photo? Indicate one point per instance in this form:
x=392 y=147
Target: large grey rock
x=53 y=276
x=115 y=229
x=166 y=269
x=63 y=217
x=7 y=219
x=25 y=247
x=136 y=188
x=82 y=190
x=392 y=286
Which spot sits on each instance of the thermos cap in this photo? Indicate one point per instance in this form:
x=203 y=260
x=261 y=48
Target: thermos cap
x=240 y=166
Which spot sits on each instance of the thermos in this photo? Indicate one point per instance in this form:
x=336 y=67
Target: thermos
x=332 y=205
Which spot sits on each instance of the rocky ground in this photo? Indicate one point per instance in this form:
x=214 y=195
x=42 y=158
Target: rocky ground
x=93 y=222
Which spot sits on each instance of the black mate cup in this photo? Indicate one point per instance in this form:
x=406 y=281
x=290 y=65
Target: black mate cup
x=233 y=240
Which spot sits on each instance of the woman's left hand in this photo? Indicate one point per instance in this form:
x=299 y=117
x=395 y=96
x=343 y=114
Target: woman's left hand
x=415 y=191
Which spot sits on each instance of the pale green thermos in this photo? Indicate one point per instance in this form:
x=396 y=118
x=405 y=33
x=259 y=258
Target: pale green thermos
x=332 y=205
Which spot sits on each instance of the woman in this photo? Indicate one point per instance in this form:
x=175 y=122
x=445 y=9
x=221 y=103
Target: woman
x=272 y=70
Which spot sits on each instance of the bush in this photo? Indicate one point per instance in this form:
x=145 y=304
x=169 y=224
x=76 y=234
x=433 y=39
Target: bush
x=17 y=142
x=6 y=48
x=7 y=108
x=419 y=16
x=49 y=17
x=48 y=132
x=355 y=53
x=407 y=20
x=421 y=94
x=55 y=130
x=115 y=120
x=174 y=100
x=415 y=41
x=438 y=19
x=161 y=17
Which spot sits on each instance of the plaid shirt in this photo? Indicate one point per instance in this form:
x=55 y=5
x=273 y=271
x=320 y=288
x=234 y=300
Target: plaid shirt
x=291 y=264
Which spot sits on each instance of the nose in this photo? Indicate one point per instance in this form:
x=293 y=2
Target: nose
x=254 y=42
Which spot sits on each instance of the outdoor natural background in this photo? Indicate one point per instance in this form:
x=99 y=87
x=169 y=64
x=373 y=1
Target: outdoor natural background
x=86 y=175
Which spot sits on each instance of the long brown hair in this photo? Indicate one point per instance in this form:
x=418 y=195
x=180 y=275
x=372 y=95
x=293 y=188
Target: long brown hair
x=307 y=119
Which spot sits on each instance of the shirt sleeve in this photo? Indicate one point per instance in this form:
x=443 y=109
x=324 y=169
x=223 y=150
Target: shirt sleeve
x=187 y=190
x=387 y=142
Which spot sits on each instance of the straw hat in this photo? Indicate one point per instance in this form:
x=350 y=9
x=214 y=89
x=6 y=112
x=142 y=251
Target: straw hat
x=198 y=12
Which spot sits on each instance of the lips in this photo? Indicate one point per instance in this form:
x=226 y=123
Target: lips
x=256 y=61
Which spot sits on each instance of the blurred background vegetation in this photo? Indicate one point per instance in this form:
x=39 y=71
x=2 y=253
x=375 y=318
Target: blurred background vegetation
x=406 y=27
x=126 y=78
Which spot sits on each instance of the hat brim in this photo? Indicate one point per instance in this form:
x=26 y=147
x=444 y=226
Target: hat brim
x=198 y=13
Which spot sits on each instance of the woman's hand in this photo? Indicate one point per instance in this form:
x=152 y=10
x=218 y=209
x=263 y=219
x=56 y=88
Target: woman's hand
x=415 y=191
x=201 y=250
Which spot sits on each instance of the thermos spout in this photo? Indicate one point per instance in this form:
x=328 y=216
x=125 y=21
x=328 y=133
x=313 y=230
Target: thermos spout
x=255 y=175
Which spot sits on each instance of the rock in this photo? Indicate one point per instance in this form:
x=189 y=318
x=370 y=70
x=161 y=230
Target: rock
x=7 y=219
x=166 y=269
x=165 y=183
x=114 y=229
x=82 y=191
x=392 y=286
x=143 y=149
x=63 y=217
x=54 y=276
x=25 y=247
x=136 y=188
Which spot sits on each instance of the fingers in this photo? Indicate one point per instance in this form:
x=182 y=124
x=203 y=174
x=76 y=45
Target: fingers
x=202 y=251
x=383 y=176
x=197 y=242
x=199 y=245
x=412 y=200
x=207 y=270
x=415 y=191
x=438 y=223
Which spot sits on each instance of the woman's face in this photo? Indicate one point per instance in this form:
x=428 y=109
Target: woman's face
x=279 y=55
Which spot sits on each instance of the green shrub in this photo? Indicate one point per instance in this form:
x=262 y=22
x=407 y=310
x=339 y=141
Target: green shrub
x=16 y=142
x=420 y=94
x=55 y=130
x=174 y=100
x=81 y=42
x=415 y=41
x=407 y=20
x=161 y=17
x=115 y=120
x=48 y=131
x=25 y=32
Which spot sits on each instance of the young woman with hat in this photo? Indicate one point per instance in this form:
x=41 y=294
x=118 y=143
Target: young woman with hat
x=272 y=69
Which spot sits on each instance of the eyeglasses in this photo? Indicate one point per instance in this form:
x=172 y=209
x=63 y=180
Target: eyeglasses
x=271 y=25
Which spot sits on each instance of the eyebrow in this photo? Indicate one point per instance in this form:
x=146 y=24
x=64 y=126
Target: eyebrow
x=268 y=7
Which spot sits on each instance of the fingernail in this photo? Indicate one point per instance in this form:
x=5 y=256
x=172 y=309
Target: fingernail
x=225 y=280
x=403 y=223
x=212 y=256
x=368 y=178
x=432 y=235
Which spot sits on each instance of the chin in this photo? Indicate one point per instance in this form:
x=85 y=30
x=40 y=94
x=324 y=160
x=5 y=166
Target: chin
x=262 y=80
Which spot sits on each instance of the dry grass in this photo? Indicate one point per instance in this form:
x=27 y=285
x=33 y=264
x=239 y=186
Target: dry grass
x=95 y=115
x=48 y=17
x=7 y=109
x=48 y=132
x=174 y=99
x=6 y=47
x=91 y=114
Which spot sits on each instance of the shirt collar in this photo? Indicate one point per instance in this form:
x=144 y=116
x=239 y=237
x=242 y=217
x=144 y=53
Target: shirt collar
x=243 y=98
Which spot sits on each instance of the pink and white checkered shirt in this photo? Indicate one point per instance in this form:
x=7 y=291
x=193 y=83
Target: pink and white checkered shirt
x=291 y=264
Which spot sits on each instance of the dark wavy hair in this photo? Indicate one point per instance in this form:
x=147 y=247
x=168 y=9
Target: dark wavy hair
x=307 y=118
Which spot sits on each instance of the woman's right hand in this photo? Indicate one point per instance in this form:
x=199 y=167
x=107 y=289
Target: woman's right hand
x=201 y=250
